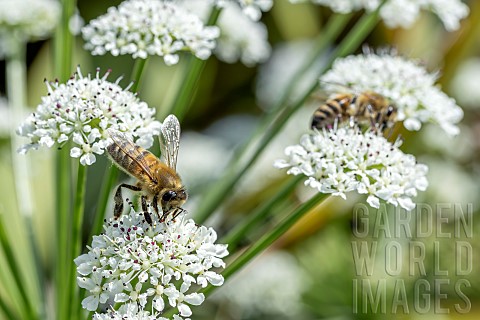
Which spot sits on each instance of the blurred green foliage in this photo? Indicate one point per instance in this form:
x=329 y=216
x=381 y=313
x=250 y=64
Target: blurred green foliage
x=322 y=247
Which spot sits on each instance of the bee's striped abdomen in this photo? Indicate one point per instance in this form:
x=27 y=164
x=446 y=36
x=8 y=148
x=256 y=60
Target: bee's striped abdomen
x=334 y=108
x=133 y=159
x=125 y=154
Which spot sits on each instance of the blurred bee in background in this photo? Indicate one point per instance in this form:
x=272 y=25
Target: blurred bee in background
x=365 y=107
x=157 y=180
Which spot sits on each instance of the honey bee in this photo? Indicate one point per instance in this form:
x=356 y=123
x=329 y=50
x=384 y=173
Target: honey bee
x=157 y=180
x=367 y=106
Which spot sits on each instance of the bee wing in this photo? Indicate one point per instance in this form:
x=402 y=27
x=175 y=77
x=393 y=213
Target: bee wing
x=170 y=140
x=331 y=86
x=129 y=148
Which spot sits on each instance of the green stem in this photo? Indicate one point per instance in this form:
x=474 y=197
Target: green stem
x=76 y=243
x=5 y=309
x=63 y=67
x=63 y=192
x=333 y=28
x=137 y=73
x=241 y=229
x=269 y=238
x=17 y=97
x=64 y=42
x=15 y=272
x=187 y=90
x=270 y=129
x=191 y=78
x=108 y=183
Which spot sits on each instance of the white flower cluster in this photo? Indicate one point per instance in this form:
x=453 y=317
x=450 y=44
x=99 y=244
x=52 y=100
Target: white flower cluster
x=129 y=311
x=81 y=110
x=251 y=8
x=149 y=27
x=254 y=8
x=135 y=263
x=26 y=20
x=403 y=13
x=405 y=83
x=345 y=160
x=240 y=37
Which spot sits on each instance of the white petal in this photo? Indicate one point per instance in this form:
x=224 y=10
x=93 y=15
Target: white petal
x=373 y=201
x=195 y=299
x=90 y=303
x=88 y=159
x=184 y=309
x=159 y=304
x=75 y=152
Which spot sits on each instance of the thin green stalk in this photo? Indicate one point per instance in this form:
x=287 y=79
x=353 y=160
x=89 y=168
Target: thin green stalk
x=265 y=241
x=187 y=90
x=137 y=73
x=14 y=271
x=17 y=97
x=63 y=192
x=64 y=42
x=241 y=229
x=5 y=309
x=222 y=188
x=108 y=183
x=76 y=243
x=333 y=28
x=269 y=238
x=190 y=80
x=63 y=50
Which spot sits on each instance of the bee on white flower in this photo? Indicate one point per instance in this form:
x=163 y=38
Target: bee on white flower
x=403 y=82
x=135 y=263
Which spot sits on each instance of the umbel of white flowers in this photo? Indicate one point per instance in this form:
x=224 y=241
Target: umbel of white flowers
x=346 y=160
x=240 y=37
x=143 y=28
x=26 y=20
x=81 y=111
x=251 y=8
x=403 y=13
x=134 y=263
x=404 y=82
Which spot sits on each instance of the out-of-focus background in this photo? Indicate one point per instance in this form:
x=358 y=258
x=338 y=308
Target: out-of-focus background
x=313 y=271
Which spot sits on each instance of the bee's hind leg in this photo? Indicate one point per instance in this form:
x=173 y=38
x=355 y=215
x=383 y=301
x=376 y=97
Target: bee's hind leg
x=145 y=210
x=118 y=209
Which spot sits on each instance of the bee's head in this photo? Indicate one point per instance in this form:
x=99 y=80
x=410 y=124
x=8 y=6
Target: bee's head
x=173 y=198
